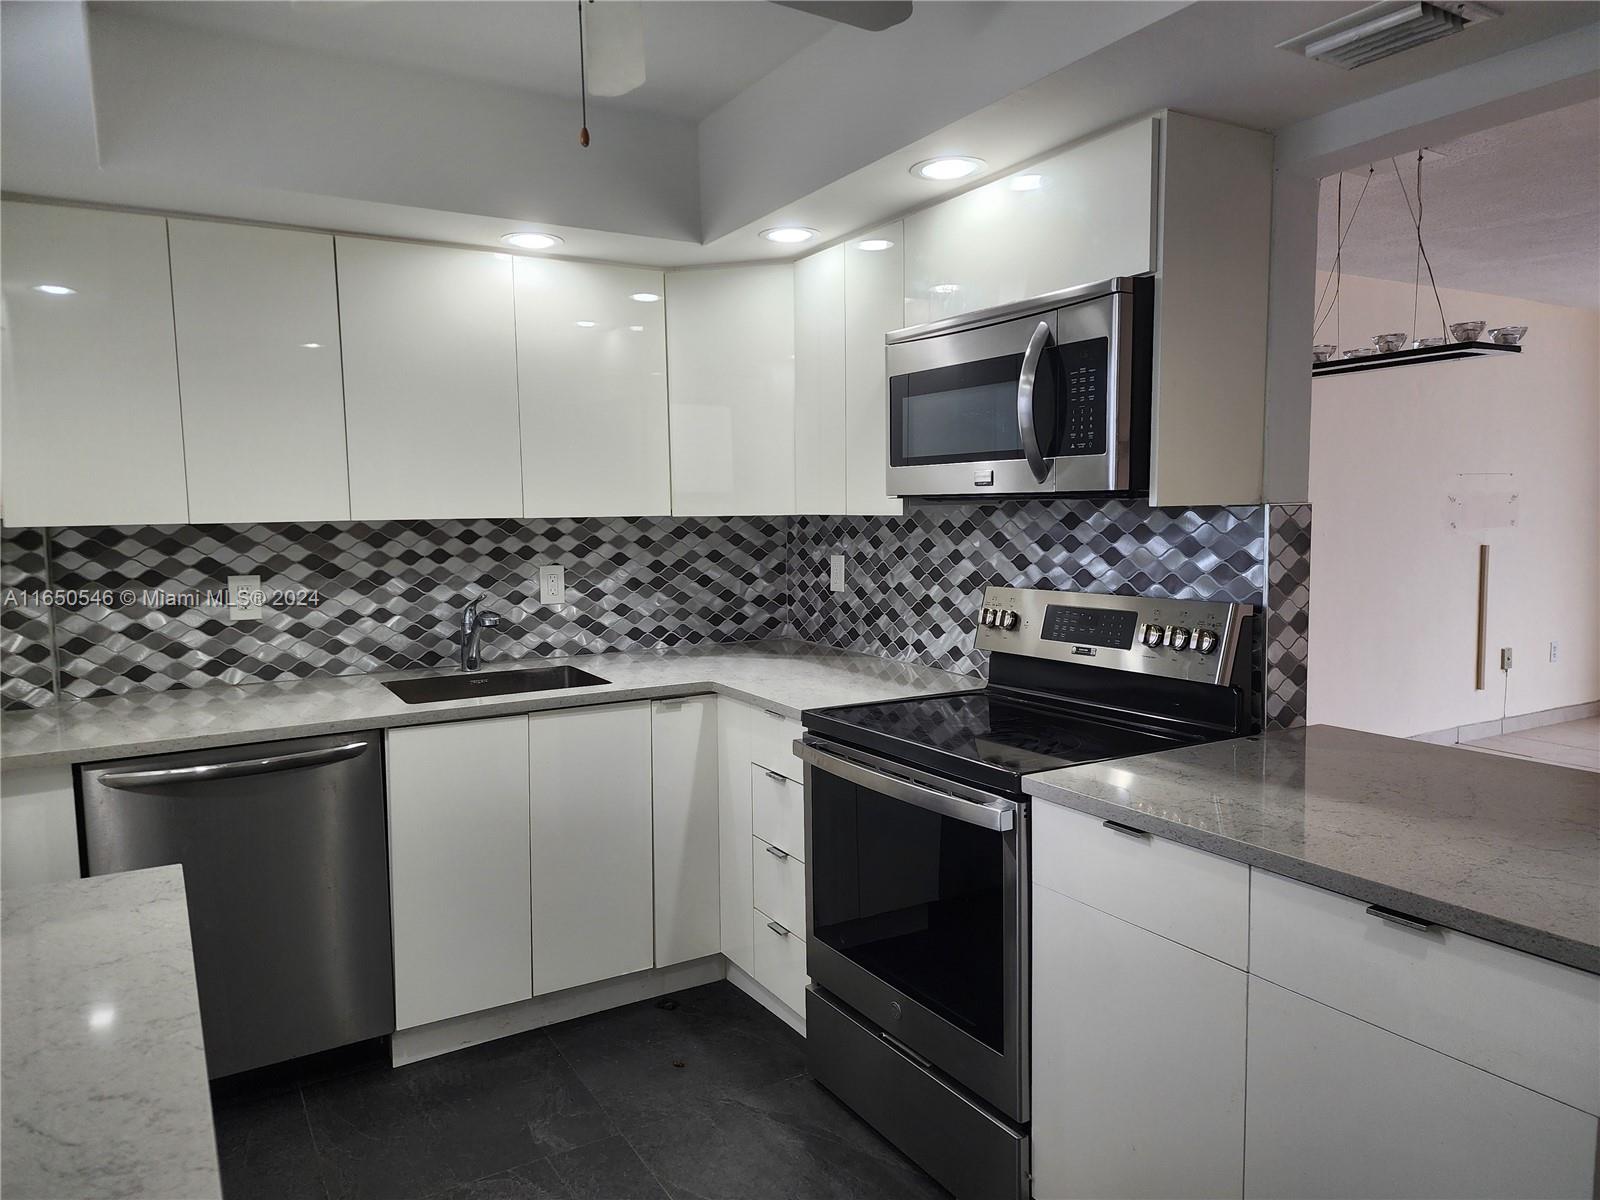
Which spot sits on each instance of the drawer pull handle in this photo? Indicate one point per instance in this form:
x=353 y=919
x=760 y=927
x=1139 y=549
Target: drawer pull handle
x=777 y=929
x=1126 y=830
x=772 y=712
x=776 y=776
x=780 y=855
x=1394 y=918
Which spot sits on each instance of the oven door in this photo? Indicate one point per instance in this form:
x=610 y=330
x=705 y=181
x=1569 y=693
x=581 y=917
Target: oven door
x=1038 y=404
x=917 y=915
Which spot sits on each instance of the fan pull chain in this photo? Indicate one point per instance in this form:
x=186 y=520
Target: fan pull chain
x=583 y=84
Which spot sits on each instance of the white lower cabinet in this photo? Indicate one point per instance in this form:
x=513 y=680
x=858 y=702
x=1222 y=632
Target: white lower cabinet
x=38 y=826
x=1341 y=1108
x=1138 y=1060
x=733 y=832
x=458 y=867
x=683 y=753
x=780 y=960
x=592 y=847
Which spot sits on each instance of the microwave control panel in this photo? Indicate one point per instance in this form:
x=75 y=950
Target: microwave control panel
x=1080 y=369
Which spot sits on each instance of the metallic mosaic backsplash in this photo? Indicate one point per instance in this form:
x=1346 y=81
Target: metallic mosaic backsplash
x=353 y=598
x=913 y=582
x=388 y=596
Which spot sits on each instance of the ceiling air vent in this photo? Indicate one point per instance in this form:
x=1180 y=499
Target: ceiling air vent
x=1380 y=30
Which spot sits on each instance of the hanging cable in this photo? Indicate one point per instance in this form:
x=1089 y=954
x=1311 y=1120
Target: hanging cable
x=1422 y=249
x=583 y=84
x=1336 y=278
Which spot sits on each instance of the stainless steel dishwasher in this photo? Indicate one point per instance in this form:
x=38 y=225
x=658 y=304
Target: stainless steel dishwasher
x=284 y=847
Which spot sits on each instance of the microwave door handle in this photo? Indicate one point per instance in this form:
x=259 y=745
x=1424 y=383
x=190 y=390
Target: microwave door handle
x=1037 y=462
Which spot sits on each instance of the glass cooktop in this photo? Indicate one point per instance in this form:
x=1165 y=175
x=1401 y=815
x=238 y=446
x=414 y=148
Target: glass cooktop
x=988 y=737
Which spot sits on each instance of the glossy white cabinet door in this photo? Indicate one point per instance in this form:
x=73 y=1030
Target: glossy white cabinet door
x=1138 y=1061
x=736 y=881
x=819 y=388
x=38 y=827
x=683 y=753
x=458 y=867
x=874 y=304
x=258 y=355
x=1340 y=1108
x=1092 y=216
x=730 y=340
x=592 y=376
x=93 y=432
x=593 y=897
x=430 y=374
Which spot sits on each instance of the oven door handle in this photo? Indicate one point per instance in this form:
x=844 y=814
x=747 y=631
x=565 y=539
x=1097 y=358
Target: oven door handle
x=1037 y=462
x=997 y=815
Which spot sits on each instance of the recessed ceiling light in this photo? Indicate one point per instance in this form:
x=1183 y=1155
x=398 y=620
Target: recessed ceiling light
x=636 y=328
x=950 y=166
x=585 y=324
x=788 y=234
x=645 y=297
x=55 y=289
x=311 y=345
x=531 y=241
x=944 y=289
x=1026 y=183
x=874 y=244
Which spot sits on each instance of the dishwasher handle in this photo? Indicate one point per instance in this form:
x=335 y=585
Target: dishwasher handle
x=133 y=780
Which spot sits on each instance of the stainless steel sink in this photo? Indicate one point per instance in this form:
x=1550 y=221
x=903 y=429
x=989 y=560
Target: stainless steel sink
x=491 y=683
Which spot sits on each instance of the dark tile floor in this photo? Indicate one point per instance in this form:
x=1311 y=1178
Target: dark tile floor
x=707 y=1100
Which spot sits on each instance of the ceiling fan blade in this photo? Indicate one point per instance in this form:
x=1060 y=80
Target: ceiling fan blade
x=613 y=46
x=873 y=15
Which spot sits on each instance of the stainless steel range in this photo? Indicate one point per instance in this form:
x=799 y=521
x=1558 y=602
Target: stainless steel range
x=917 y=856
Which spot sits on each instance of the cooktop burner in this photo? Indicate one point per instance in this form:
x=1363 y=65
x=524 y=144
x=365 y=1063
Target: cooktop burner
x=987 y=736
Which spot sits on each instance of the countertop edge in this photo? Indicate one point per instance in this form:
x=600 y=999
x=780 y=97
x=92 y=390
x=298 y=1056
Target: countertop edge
x=1537 y=942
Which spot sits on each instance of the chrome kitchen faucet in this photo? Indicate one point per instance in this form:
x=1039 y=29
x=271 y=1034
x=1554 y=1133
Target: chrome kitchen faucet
x=473 y=623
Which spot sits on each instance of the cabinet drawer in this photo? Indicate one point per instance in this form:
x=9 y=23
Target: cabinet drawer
x=1528 y=1020
x=1197 y=899
x=772 y=739
x=780 y=960
x=778 y=810
x=780 y=886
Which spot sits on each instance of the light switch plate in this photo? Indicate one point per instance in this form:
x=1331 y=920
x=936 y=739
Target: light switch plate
x=244 y=592
x=836 y=573
x=552 y=585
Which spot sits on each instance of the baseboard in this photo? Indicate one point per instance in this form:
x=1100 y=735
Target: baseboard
x=1454 y=734
x=473 y=1029
x=746 y=983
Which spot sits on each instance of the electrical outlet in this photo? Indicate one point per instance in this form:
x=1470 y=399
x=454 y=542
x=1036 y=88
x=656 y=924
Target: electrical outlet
x=244 y=597
x=1555 y=650
x=836 y=573
x=552 y=585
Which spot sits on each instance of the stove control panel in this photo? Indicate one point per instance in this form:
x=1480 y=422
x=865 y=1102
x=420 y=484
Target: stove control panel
x=1198 y=640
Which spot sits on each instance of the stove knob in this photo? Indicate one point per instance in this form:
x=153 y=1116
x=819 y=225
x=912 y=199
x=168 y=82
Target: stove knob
x=1205 y=641
x=1154 y=635
x=1178 y=638
x=1009 y=620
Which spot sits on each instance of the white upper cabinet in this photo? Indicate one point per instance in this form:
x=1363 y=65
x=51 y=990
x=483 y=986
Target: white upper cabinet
x=258 y=356
x=874 y=304
x=1085 y=214
x=430 y=365
x=730 y=340
x=93 y=433
x=819 y=383
x=592 y=377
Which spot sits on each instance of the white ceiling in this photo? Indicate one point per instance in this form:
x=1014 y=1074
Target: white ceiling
x=1511 y=211
x=699 y=53
x=457 y=122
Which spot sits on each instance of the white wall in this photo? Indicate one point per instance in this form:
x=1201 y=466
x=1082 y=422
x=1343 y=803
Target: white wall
x=1394 y=586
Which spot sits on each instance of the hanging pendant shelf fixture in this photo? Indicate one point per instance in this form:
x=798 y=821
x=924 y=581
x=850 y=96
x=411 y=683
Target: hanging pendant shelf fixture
x=1408 y=357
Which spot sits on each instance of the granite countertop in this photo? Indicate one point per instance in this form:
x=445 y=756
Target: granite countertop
x=104 y=1069
x=782 y=675
x=1502 y=848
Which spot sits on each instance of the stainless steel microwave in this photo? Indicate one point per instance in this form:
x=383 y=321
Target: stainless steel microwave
x=1050 y=395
